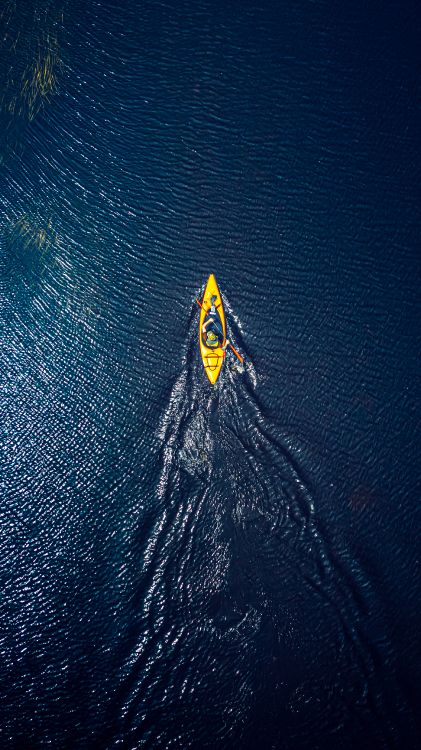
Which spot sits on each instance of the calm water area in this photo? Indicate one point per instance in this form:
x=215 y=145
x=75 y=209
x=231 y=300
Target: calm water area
x=186 y=566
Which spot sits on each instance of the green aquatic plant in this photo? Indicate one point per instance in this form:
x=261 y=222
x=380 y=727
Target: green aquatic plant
x=40 y=236
x=36 y=252
x=39 y=80
x=31 y=244
x=31 y=60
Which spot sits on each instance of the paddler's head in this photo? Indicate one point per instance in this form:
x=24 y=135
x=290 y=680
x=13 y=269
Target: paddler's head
x=212 y=336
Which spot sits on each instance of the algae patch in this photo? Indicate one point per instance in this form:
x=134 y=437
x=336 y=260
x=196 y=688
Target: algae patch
x=33 y=233
x=30 y=66
x=39 y=80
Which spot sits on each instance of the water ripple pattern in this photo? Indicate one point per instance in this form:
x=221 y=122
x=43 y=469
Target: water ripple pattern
x=186 y=566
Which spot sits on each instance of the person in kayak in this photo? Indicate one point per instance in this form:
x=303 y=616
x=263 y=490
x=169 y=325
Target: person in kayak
x=211 y=330
x=212 y=341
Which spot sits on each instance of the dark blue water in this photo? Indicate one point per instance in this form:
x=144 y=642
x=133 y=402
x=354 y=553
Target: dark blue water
x=187 y=566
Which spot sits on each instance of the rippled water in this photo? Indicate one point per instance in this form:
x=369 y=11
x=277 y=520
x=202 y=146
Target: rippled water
x=188 y=566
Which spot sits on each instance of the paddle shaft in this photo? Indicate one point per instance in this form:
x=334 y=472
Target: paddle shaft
x=221 y=332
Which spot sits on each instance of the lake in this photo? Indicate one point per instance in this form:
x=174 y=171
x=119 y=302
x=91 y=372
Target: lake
x=184 y=565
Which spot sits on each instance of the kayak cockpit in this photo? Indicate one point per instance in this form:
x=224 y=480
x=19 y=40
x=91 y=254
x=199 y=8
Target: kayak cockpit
x=212 y=330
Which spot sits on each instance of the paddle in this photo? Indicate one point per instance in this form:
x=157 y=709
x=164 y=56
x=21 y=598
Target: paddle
x=222 y=333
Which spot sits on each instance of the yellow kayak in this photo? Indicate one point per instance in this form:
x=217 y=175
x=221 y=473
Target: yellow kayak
x=212 y=330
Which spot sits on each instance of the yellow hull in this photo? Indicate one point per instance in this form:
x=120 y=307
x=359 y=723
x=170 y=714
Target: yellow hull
x=212 y=358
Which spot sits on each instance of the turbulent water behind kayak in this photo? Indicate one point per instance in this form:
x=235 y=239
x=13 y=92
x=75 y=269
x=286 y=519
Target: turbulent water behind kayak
x=186 y=566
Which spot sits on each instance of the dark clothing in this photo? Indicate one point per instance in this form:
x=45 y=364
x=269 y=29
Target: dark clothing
x=212 y=327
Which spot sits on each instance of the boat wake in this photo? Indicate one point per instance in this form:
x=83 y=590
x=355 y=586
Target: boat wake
x=234 y=559
x=236 y=529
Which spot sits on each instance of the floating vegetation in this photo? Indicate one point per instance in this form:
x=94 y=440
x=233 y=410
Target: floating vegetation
x=30 y=243
x=39 y=80
x=38 y=268
x=40 y=236
x=30 y=67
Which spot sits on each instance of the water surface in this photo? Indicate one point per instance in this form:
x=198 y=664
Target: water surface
x=187 y=566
